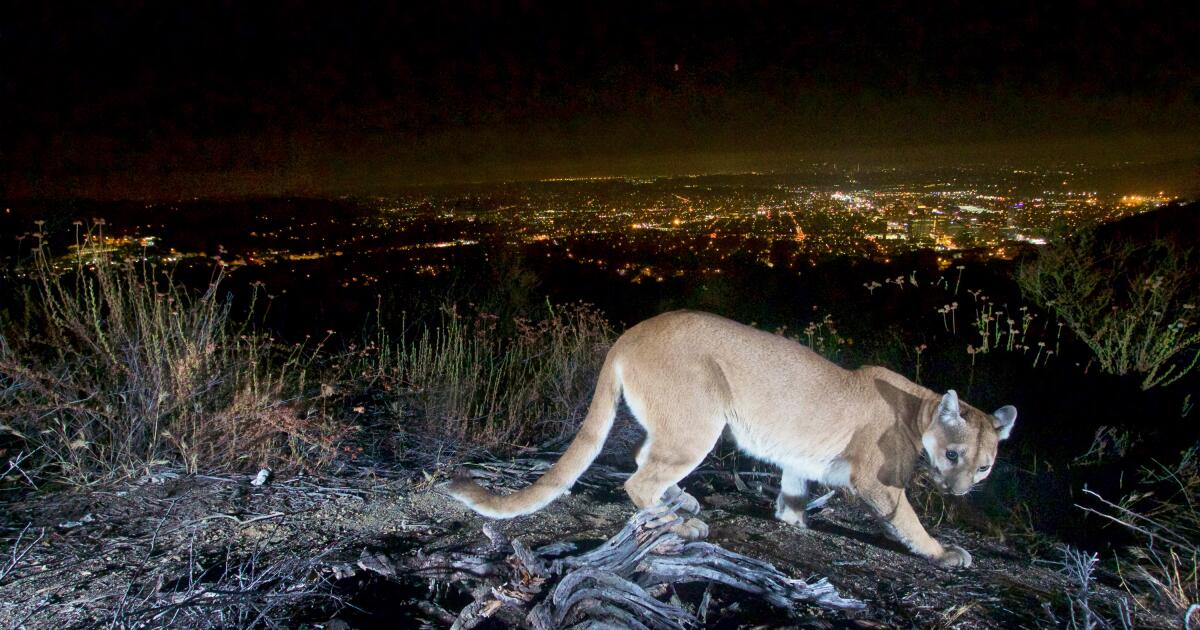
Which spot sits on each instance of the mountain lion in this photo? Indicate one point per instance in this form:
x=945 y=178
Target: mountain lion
x=687 y=375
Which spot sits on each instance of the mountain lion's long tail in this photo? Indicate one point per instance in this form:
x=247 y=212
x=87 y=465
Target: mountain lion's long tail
x=562 y=475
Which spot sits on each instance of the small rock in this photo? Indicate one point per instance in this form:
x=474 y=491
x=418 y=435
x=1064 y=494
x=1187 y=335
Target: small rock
x=723 y=501
x=342 y=571
x=377 y=563
x=820 y=501
x=261 y=478
x=160 y=478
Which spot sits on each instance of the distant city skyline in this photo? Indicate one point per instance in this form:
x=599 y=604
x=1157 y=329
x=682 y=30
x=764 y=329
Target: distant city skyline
x=631 y=229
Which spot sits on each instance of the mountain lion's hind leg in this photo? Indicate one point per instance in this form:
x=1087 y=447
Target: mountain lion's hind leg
x=660 y=468
x=793 y=498
x=688 y=503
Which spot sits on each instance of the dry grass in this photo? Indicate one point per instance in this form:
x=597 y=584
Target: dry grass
x=1165 y=568
x=123 y=369
x=466 y=383
x=126 y=369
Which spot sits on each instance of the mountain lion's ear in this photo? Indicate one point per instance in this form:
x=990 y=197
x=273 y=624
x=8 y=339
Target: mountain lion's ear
x=947 y=410
x=1006 y=417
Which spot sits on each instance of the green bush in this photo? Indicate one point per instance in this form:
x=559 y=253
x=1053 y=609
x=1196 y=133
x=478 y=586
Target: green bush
x=1133 y=305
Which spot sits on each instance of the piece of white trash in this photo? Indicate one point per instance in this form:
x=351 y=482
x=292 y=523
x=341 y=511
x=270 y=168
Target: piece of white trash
x=820 y=501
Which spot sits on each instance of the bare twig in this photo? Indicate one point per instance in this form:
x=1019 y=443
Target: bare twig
x=1078 y=567
x=14 y=463
x=1152 y=529
x=18 y=552
x=235 y=519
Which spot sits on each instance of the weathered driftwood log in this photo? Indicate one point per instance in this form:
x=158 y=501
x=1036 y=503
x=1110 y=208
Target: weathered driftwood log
x=594 y=596
x=616 y=584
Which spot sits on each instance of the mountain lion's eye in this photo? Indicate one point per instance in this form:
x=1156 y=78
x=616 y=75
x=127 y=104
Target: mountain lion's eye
x=984 y=468
x=952 y=456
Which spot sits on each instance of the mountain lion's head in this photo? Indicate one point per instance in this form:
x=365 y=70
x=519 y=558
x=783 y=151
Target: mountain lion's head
x=961 y=442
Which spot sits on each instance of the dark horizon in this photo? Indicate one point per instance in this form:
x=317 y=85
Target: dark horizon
x=163 y=102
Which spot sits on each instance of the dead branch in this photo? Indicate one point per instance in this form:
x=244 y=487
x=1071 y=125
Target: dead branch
x=18 y=551
x=602 y=597
x=700 y=561
x=616 y=584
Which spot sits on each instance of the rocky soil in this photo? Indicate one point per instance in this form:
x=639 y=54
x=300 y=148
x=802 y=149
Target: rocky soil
x=216 y=551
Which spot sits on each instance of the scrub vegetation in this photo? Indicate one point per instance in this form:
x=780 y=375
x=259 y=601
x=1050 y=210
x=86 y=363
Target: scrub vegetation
x=112 y=370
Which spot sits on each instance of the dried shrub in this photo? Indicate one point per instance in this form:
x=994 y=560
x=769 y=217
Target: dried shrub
x=128 y=369
x=471 y=385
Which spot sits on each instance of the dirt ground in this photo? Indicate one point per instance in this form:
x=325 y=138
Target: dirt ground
x=212 y=551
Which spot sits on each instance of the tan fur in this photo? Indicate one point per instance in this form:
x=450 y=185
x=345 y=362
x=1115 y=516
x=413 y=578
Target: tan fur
x=687 y=375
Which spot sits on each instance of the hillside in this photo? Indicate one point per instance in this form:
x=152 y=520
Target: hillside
x=136 y=414
x=214 y=550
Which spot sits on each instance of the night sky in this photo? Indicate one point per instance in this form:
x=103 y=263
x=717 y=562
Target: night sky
x=168 y=99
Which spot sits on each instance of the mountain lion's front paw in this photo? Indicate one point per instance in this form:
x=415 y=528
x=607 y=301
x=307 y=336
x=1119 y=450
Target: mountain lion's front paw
x=954 y=557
